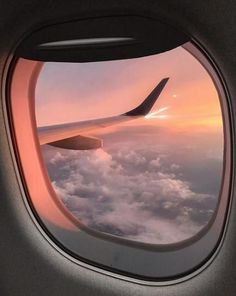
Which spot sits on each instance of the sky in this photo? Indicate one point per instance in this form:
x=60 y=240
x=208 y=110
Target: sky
x=156 y=179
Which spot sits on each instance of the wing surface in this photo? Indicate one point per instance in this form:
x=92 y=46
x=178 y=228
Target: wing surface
x=58 y=134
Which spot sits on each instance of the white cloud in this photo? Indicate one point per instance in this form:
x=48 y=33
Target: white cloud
x=117 y=193
x=156 y=163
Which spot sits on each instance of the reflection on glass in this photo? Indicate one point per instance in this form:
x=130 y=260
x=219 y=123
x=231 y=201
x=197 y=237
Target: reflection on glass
x=156 y=179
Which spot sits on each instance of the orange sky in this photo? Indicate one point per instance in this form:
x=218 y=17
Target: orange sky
x=73 y=92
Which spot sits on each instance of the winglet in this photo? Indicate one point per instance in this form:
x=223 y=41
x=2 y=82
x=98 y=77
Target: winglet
x=145 y=107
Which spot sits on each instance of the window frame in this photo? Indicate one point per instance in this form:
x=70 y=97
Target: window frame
x=20 y=117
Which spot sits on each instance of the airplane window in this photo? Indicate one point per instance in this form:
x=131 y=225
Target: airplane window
x=125 y=163
x=151 y=175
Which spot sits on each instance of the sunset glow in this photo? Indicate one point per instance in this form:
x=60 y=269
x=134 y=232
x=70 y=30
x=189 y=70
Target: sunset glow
x=156 y=114
x=157 y=178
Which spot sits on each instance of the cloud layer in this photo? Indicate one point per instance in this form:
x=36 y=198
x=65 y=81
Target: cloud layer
x=147 y=192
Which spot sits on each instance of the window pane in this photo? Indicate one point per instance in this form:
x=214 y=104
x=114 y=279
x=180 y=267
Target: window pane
x=156 y=178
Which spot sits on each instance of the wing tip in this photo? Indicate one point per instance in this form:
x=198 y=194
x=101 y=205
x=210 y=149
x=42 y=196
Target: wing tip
x=145 y=107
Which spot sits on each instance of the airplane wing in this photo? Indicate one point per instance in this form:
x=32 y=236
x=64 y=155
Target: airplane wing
x=68 y=135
